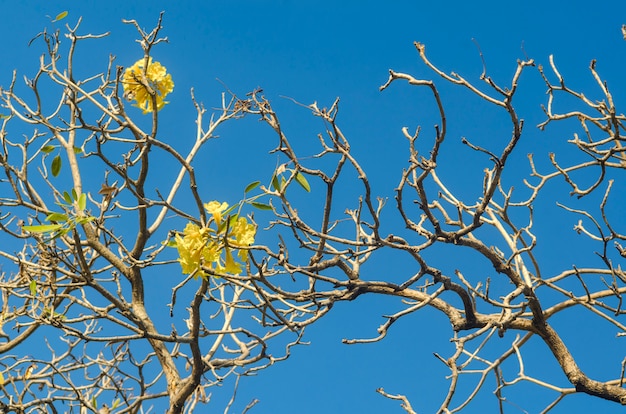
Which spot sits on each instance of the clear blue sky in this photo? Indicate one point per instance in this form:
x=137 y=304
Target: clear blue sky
x=316 y=51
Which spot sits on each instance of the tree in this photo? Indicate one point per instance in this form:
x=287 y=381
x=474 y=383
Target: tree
x=239 y=298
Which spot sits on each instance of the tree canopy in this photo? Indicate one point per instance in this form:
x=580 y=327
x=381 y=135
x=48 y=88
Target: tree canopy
x=129 y=284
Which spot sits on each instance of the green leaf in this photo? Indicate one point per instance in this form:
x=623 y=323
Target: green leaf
x=230 y=210
x=56 y=165
x=260 y=206
x=43 y=228
x=74 y=195
x=275 y=183
x=84 y=220
x=3 y=116
x=232 y=220
x=48 y=149
x=115 y=404
x=82 y=201
x=51 y=313
x=33 y=287
x=225 y=223
x=67 y=198
x=78 y=150
x=56 y=217
x=251 y=186
x=60 y=16
x=301 y=179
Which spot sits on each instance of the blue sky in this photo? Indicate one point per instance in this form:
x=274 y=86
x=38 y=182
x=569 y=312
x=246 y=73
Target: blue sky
x=316 y=51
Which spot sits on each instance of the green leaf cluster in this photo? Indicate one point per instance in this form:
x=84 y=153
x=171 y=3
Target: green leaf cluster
x=62 y=223
x=55 y=166
x=252 y=201
x=279 y=181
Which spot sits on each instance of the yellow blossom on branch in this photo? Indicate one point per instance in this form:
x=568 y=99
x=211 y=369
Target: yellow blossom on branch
x=216 y=209
x=211 y=254
x=211 y=248
x=243 y=232
x=191 y=246
x=230 y=266
x=140 y=84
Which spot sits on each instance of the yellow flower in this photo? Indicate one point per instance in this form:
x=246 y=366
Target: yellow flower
x=191 y=248
x=194 y=232
x=207 y=248
x=157 y=78
x=186 y=258
x=211 y=254
x=216 y=209
x=243 y=232
x=230 y=266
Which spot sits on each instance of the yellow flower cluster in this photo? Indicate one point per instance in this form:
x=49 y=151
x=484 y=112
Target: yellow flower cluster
x=200 y=248
x=156 y=77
